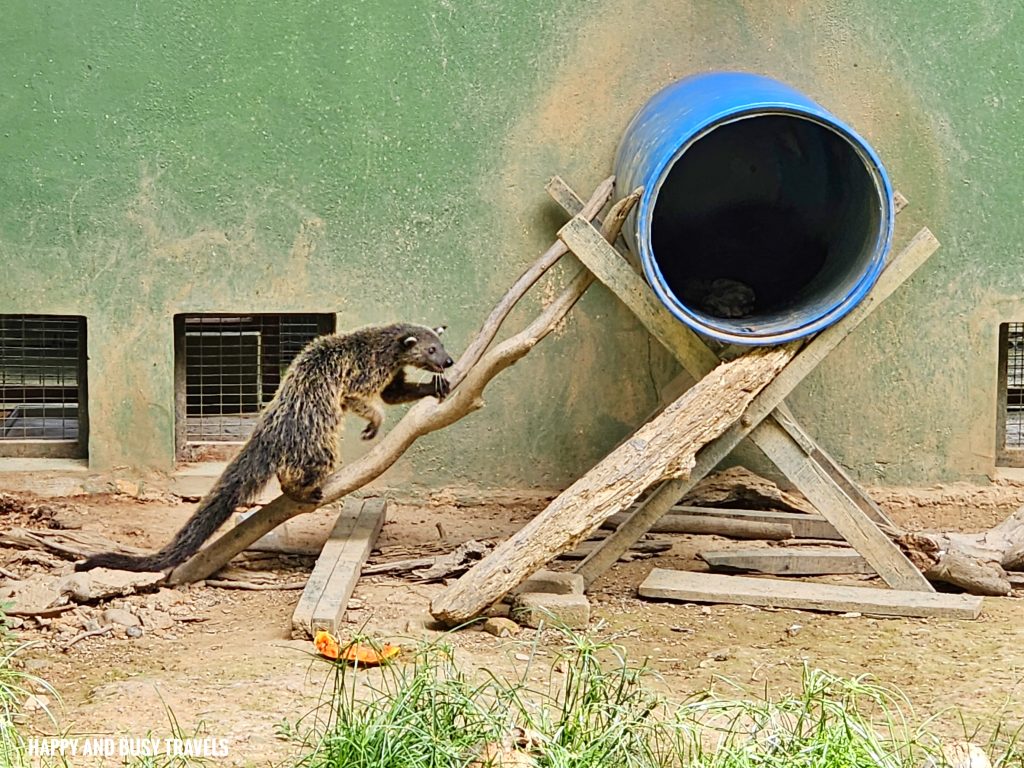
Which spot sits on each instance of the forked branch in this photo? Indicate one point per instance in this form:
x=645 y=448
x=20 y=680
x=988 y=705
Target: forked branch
x=469 y=376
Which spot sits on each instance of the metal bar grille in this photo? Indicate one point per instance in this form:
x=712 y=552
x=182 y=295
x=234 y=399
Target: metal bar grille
x=233 y=365
x=1011 y=393
x=41 y=379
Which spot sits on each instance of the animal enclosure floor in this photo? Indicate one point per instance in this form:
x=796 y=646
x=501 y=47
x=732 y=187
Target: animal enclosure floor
x=224 y=657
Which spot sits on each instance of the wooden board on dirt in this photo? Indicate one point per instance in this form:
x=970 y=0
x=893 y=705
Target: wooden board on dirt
x=323 y=601
x=691 y=587
x=789 y=561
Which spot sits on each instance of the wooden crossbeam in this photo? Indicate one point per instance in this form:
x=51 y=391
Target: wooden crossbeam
x=837 y=497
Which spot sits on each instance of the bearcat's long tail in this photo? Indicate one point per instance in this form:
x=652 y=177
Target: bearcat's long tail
x=243 y=478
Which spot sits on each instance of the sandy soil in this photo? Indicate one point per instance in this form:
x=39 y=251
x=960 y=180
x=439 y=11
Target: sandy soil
x=223 y=662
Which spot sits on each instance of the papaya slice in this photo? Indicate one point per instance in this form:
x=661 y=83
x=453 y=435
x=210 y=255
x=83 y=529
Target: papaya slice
x=356 y=653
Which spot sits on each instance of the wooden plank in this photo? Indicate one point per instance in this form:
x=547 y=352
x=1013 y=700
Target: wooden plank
x=696 y=358
x=803 y=526
x=788 y=561
x=573 y=204
x=782 y=416
x=330 y=609
x=302 y=616
x=690 y=587
x=342 y=545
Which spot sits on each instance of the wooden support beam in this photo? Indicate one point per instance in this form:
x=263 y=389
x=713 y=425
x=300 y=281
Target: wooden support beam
x=690 y=587
x=325 y=597
x=663 y=447
x=812 y=472
x=788 y=561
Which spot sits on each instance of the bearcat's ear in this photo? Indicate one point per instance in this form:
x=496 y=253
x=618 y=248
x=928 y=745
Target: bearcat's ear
x=440 y=329
x=409 y=341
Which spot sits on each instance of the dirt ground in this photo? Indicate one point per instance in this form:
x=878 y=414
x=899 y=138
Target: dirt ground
x=222 y=660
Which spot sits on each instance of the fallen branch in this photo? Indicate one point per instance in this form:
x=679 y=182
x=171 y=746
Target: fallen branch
x=88 y=633
x=712 y=526
x=253 y=586
x=72 y=544
x=472 y=373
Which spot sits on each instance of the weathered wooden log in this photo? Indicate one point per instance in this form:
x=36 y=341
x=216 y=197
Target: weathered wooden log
x=975 y=562
x=712 y=526
x=662 y=448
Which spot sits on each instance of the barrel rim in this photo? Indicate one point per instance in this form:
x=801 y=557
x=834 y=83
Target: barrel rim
x=829 y=314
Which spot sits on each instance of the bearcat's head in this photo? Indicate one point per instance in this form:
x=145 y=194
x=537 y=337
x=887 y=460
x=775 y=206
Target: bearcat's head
x=421 y=347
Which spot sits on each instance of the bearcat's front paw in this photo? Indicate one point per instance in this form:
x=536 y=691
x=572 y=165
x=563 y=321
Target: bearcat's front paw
x=370 y=431
x=441 y=387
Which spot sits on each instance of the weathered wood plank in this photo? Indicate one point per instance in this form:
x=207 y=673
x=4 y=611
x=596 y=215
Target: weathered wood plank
x=690 y=587
x=330 y=609
x=338 y=567
x=302 y=616
x=788 y=561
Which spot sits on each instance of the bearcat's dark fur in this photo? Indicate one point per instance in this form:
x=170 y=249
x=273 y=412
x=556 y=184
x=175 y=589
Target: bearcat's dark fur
x=297 y=435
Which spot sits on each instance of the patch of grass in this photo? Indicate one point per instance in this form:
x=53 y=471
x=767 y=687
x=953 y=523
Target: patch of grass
x=597 y=710
x=14 y=688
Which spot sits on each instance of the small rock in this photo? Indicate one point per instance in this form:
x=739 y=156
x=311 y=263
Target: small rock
x=154 y=619
x=134 y=631
x=963 y=754
x=91 y=625
x=553 y=582
x=522 y=657
x=534 y=608
x=721 y=654
x=121 y=617
x=66 y=520
x=500 y=627
x=851 y=615
x=680 y=629
x=355 y=604
x=126 y=487
x=14 y=622
x=794 y=630
x=78 y=586
x=36 y=702
x=706 y=610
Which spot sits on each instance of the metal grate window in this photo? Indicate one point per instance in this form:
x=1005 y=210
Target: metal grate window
x=42 y=386
x=1010 y=421
x=227 y=367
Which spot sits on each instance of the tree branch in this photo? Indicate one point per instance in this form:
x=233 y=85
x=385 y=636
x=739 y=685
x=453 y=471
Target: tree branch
x=427 y=415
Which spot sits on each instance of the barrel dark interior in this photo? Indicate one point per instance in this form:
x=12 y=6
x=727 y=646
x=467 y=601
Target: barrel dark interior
x=764 y=218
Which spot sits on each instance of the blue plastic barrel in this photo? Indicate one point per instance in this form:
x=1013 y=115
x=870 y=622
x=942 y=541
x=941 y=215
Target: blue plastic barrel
x=764 y=218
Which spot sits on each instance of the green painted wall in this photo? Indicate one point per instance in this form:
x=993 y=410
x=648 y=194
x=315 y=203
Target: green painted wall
x=386 y=160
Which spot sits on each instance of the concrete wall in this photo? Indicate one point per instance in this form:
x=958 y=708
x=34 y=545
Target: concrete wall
x=386 y=161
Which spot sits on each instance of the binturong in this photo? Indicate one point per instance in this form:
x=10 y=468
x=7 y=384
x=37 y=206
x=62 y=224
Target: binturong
x=297 y=436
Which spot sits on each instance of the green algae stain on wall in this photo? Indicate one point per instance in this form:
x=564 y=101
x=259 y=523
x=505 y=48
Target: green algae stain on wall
x=386 y=160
